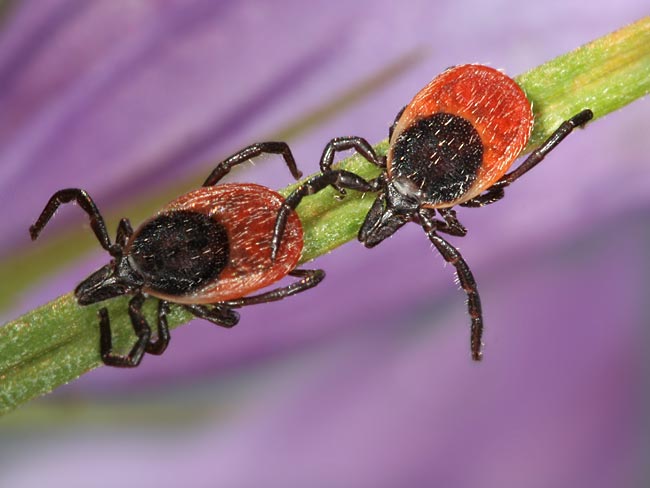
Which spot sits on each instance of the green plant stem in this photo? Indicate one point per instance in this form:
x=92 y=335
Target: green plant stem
x=59 y=341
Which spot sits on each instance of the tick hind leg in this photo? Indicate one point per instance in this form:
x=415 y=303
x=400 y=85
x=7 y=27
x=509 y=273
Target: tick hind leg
x=222 y=313
x=218 y=314
x=468 y=283
x=252 y=151
x=141 y=329
x=310 y=278
x=495 y=192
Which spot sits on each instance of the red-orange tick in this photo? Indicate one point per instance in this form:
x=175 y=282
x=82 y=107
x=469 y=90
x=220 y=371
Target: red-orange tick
x=206 y=251
x=452 y=145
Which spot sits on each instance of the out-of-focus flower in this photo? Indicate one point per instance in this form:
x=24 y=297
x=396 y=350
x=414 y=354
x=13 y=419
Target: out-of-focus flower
x=364 y=381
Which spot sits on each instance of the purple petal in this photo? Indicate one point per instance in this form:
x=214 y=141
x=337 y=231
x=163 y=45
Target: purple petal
x=159 y=91
x=400 y=406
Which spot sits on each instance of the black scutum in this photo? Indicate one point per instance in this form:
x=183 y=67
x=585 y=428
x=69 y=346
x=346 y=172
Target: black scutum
x=179 y=252
x=440 y=155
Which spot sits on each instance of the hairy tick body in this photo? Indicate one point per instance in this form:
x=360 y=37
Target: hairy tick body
x=451 y=145
x=206 y=251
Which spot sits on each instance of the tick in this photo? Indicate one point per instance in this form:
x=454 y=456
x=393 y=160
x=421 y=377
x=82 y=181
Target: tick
x=206 y=251
x=451 y=145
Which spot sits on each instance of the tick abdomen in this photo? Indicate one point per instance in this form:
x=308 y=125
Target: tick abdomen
x=180 y=251
x=440 y=154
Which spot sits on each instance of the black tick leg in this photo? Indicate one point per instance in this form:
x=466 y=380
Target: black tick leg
x=82 y=199
x=450 y=225
x=159 y=345
x=141 y=329
x=338 y=178
x=218 y=314
x=495 y=192
x=359 y=144
x=467 y=282
x=310 y=278
x=254 y=150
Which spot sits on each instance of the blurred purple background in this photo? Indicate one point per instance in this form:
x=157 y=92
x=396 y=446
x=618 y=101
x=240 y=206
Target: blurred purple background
x=365 y=381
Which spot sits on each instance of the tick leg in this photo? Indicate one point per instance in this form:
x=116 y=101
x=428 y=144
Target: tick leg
x=338 y=144
x=141 y=329
x=359 y=144
x=467 y=281
x=310 y=278
x=495 y=192
x=538 y=154
x=252 y=151
x=162 y=340
x=450 y=225
x=82 y=199
x=339 y=178
x=218 y=314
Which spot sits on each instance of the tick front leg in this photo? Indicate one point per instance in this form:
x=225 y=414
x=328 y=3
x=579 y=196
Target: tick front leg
x=342 y=179
x=338 y=144
x=359 y=144
x=82 y=198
